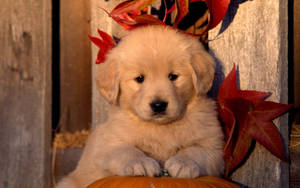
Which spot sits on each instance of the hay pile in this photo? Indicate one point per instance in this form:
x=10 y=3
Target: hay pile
x=295 y=137
x=70 y=140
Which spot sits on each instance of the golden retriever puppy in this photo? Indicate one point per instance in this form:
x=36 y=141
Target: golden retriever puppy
x=156 y=80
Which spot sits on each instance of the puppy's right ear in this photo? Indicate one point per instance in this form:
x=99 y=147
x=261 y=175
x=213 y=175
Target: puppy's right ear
x=108 y=80
x=203 y=67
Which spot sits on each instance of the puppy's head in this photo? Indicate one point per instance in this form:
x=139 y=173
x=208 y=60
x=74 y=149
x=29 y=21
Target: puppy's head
x=155 y=72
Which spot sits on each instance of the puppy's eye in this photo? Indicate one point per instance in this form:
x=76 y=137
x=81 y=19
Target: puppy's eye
x=140 y=79
x=173 y=77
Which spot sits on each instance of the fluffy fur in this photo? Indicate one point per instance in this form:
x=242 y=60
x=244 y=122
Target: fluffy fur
x=186 y=140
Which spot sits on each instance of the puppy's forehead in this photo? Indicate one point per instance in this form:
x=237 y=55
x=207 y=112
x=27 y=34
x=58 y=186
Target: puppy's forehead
x=153 y=44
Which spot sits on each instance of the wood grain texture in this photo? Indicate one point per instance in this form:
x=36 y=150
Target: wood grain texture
x=295 y=151
x=75 y=65
x=100 y=20
x=257 y=41
x=295 y=157
x=25 y=93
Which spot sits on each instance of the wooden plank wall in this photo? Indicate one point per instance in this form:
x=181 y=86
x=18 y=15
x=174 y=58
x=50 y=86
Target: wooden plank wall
x=75 y=78
x=75 y=65
x=257 y=41
x=295 y=140
x=100 y=20
x=25 y=93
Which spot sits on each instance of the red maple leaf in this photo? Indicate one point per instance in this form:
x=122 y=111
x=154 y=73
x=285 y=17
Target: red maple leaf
x=133 y=13
x=130 y=6
x=134 y=21
x=245 y=117
x=217 y=10
x=183 y=9
x=105 y=43
x=228 y=90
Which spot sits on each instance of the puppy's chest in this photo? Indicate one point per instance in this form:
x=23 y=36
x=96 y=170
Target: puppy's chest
x=162 y=146
x=158 y=149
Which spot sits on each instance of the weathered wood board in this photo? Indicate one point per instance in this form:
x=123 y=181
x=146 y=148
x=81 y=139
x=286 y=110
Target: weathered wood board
x=100 y=20
x=25 y=93
x=75 y=65
x=257 y=41
x=295 y=150
x=295 y=156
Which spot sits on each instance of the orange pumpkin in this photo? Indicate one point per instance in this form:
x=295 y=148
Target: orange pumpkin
x=162 y=182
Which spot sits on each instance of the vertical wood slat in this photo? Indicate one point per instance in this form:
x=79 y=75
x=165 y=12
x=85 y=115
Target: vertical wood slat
x=294 y=150
x=75 y=78
x=75 y=65
x=257 y=41
x=100 y=20
x=25 y=93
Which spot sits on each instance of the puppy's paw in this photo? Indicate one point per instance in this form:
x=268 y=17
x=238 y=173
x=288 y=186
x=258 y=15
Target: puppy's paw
x=142 y=166
x=183 y=167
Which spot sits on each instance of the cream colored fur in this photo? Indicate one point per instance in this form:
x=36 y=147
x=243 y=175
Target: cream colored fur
x=187 y=141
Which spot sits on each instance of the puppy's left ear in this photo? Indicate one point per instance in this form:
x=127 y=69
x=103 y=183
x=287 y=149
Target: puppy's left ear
x=203 y=68
x=108 y=80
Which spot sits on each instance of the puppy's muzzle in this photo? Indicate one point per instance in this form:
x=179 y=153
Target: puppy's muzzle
x=158 y=106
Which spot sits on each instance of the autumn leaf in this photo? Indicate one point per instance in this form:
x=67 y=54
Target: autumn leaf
x=228 y=119
x=229 y=90
x=134 y=21
x=129 y=13
x=246 y=117
x=105 y=43
x=239 y=141
x=131 y=6
x=182 y=10
x=263 y=130
x=145 y=19
x=217 y=9
x=168 y=11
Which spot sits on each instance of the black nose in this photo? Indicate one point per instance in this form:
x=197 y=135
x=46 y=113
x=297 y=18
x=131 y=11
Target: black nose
x=159 y=106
